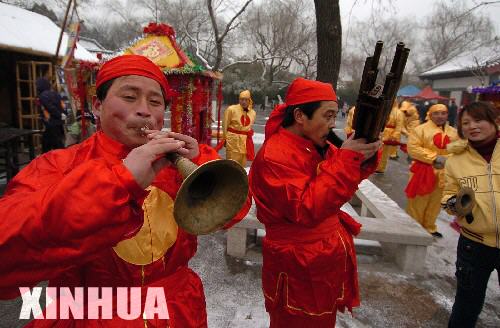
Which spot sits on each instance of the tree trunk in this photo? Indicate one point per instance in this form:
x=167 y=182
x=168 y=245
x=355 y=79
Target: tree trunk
x=329 y=38
x=218 y=58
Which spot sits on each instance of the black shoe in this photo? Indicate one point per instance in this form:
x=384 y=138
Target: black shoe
x=437 y=234
x=394 y=158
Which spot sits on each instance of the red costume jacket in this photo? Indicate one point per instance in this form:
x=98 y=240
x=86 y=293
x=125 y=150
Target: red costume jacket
x=66 y=213
x=308 y=252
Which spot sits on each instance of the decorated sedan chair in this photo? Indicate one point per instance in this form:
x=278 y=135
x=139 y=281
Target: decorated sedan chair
x=192 y=83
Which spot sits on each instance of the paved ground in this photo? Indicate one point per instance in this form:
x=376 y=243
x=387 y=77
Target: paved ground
x=389 y=298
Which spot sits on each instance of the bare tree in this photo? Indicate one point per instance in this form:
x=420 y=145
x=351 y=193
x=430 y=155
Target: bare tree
x=329 y=38
x=453 y=28
x=119 y=31
x=191 y=22
x=278 y=35
x=390 y=30
x=221 y=34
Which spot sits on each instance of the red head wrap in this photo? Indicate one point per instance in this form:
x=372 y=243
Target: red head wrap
x=133 y=65
x=301 y=91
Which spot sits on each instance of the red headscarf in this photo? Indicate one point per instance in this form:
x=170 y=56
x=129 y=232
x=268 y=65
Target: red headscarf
x=133 y=65
x=301 y=91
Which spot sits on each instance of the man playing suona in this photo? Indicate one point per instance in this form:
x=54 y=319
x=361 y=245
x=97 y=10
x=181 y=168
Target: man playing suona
x=100 y=213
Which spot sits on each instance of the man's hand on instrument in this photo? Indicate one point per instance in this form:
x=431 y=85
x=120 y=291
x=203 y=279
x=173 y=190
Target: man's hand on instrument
x=144 y=162
x=189 y=150
x=360 y=146
x=191 y=144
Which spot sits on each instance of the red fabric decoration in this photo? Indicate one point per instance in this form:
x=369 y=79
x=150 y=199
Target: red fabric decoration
x=219 y=107
x=301 y=91
x=404 y=148
x=441 y=142
x=160 y=30
x=249 y=142
x=392 y=143
x=274 y=122
x=133 y=65
x=422 y=181
x=245 y=120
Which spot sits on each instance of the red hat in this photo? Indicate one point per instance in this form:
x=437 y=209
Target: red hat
x=133 y=65
x=301 y=91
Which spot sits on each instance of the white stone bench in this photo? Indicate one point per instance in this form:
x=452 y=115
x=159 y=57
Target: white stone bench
x=383 y=220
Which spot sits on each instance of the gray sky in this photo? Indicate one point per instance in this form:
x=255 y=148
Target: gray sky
x=411 y=8
x=358 y=9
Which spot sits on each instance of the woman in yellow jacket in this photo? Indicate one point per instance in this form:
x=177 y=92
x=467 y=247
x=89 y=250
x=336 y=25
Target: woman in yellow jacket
x=391 y=136
x=475 y=164
x=427 y=146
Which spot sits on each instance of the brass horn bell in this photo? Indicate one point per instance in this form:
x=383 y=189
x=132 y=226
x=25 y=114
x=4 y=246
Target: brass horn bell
x=210 y=195
x=463 y=203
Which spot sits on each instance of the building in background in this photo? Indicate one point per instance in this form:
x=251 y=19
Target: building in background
x=455 y=77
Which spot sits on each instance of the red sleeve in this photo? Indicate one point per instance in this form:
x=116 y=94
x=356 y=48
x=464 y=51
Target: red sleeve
x=54 y=219
x=370 y=165
x=283 y=192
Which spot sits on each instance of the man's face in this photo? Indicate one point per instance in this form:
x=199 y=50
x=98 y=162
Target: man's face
x=439 y=118
x=132 y=102
x=244 y=102
x=323 y=120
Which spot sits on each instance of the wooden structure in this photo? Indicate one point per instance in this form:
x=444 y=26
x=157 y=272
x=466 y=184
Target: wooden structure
x=193 y=85
x=27 y=51
x=27 y=72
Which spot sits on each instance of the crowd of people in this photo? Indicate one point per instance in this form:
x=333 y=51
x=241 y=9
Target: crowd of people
x=120 y=230
x=444 y=162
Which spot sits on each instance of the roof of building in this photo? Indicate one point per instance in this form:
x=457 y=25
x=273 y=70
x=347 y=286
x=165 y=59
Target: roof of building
x=93 y=45
x=24 y=31
x=408 y=91
x=483 y=56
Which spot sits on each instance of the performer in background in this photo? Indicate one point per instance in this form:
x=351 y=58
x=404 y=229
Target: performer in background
x=391 y=137
x=299 y=182
x=427 y=146
x=237 y=127
x=100 y=213
x=348 y=124
x=410 y=122
x=475 y=164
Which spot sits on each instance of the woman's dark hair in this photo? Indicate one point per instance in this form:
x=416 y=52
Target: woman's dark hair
x=479 y=110
x=308 y=109
x=103 y=89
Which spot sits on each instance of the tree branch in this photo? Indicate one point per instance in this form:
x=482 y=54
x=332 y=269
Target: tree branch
x=247 y=62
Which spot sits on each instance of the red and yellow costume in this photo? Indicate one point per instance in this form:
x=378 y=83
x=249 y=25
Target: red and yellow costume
x=348 y=124
x=309 y=263
x=391 y=136
x=237 y=127
x=410 y=121
x=425 y=187
x=78 y=218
